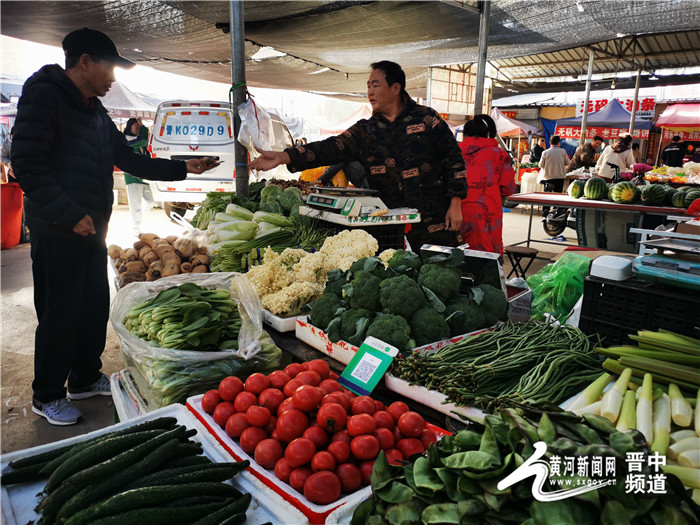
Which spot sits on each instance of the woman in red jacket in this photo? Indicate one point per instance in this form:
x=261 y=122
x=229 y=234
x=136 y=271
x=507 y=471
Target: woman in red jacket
x=490 y=177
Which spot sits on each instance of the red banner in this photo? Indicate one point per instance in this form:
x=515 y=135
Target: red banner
x=510 y=114
x=568 y=132
x=668 y=134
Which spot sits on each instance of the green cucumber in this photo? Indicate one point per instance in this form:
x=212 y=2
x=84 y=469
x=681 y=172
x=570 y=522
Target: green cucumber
x=187 y=461
x=192 y=474
x=149 y=497
x=237 y=507
x=235 y=519
x=161 y=515
x=22 y=475
x=96 y=453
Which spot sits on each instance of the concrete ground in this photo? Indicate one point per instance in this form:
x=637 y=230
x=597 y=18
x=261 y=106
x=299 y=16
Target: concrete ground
x=20 y=428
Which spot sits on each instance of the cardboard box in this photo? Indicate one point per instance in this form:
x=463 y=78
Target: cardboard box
x=692 y=227
x=519 y=304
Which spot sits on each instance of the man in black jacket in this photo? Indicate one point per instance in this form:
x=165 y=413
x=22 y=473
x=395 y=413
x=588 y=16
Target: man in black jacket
x=64 y=151
x=673 y=153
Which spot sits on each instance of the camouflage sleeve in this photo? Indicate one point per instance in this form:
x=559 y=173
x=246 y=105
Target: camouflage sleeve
x=452 y=161
x=334 y=150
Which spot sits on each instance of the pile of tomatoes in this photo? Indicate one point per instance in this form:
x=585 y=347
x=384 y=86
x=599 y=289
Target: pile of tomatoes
x=316 y=435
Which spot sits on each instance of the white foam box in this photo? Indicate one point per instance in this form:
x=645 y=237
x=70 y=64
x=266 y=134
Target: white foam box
x=281 y=324
x=344 y=352
x=18 y=501
x=519 y=304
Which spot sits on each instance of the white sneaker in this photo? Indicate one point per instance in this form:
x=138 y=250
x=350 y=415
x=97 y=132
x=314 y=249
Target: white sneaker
x=58 y=412
x=101 y=387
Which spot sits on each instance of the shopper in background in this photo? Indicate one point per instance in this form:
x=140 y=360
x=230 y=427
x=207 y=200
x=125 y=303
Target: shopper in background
x=636 y=153
x=537 y=150
x=618 y=153
x=138 y=191
x=585 y=155
x=490 y=178
x=64 y=151
x=553 y=169
x=8 y=176
x=673 y=153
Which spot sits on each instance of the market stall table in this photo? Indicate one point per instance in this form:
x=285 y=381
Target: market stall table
x=562 y=200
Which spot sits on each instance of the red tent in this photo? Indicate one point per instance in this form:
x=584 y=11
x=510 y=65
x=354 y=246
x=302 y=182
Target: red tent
x=682 y=120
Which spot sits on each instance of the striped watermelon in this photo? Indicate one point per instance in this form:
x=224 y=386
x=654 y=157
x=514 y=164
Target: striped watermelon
x=596 y=188
x=625 y=192
x=678 y=199
x=653 y=195
x=690 y=196
x=610 y=187
x=576 y=189
x=670 y=192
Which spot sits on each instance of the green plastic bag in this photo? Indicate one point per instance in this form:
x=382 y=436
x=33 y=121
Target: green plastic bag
x=557 y=287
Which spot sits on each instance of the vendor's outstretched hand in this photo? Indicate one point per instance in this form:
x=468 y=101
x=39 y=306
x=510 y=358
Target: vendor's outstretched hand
x=269 y=160
x=201 y=165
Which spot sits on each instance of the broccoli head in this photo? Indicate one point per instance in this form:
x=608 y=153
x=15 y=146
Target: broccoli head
x=493 y=303
x=405 y=262
x=324 y=310
x=393 y=330
x=401 y=295
x=440 y=279
x=468 y=318
x=336 y=281
x=363 y=291
x=373 y=265
x=428 y=325
x=351 y=326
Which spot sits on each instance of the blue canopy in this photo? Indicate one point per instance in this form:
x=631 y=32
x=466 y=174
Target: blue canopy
x=613 y=115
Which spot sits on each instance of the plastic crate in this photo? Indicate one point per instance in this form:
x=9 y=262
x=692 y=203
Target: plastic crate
x=387 y=235
x=615 y=309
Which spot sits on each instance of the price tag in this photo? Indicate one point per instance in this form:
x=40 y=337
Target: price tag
x=369 y=365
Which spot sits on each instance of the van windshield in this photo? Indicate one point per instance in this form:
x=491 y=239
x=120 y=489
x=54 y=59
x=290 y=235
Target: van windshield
x=195 y=126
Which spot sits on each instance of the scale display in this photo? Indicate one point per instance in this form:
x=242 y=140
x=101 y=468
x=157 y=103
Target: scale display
x=327 y=202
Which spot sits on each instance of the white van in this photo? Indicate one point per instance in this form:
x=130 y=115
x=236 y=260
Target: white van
x=184 y=130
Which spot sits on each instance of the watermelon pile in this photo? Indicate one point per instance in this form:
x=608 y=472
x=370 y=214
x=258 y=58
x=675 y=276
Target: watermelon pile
x=626 y=192
x=595 y=188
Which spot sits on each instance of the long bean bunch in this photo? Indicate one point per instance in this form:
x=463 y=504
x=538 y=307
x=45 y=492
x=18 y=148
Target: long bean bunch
x=516 y=362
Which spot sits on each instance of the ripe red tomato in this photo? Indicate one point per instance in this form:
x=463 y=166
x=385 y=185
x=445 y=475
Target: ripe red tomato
x=383 y=419
x=291 y=387
x=305 y=365
x=333 y=375
x=350 y=395
x=361 y=424
x=236 y=424
x=250 y=438
x=322 y=488
x=245 y=400
x=332 y=417
x=427 y=437
x=291 y=424
x=340 y=451
x=396 y=409
x=330 y=385
x=385 y=438
x=363 y=405
x=293 y=369
x=410 y=446
x=299 y=452
x=230 y=387
x=271 y=425
x=298 y=477
x=366 y=470
x=306 y=398
x=379 y=405
x=283 y=470
x=284 y=406
x=320 y=367
x=258 y=416
x=210 y=400
x=268 y=452
x=341 y=435
x=393 y=456
x=322 y=460
x=317 y=435
x=309 y=377
x=222 y=412
x=278 y=379
x=365 y=447
x=271 y=398
x=398 y=436
x=350 y=477
x=411 y=424
x=256 y=383
x=336 y=397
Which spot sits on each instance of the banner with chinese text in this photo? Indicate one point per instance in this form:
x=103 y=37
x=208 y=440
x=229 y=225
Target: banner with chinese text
x=668 y=134
x=645 y=105
x=571 y=132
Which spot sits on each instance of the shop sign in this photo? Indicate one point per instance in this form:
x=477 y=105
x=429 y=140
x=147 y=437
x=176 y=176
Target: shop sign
x=645 y=105
x=510 y=114
x=668 y=134
x=570 y=132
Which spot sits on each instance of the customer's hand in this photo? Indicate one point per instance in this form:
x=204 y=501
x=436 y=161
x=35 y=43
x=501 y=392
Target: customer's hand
x=269 y=160
x=201 y=165
x=453 y=217
x=85 y=227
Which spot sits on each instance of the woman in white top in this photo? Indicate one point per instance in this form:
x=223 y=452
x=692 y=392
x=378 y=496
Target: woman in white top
x=618 y=153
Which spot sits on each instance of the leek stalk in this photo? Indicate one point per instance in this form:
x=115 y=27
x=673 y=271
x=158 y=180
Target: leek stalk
x=662 y=354
x=697 y=414
x=616 y=368
x=689 y=374
x=661 y=424
x=612 y=400
x=627 y=419
x=681 y=413
x=679 y=435
x=690 y=477
x=593 y=409
x=668 y=340
x=689 y=458
x=644 y=422
x=591 y=394
x=684 y=445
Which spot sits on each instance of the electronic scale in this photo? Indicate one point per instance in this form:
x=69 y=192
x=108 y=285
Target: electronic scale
x=351 y=202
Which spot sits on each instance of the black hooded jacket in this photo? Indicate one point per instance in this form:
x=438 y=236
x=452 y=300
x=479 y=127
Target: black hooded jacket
x=64 y=151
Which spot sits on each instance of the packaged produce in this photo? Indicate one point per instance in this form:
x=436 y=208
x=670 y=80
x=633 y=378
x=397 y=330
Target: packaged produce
x=557 y=287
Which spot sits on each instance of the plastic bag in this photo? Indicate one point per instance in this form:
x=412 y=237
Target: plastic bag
x=557 y=287
x=256 y=129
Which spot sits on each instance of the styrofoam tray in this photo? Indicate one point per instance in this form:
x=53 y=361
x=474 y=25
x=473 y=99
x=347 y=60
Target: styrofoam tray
x=344 y=352
x=18 y=501
x=127 y=401
x=314 y=513
x=281 y=324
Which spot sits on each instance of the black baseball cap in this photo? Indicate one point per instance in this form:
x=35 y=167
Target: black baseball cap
x=94 y=43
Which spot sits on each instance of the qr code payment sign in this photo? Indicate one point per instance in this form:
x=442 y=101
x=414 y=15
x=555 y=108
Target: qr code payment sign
x=366 y=367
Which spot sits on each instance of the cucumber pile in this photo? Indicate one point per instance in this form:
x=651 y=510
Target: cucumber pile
x=148 y=473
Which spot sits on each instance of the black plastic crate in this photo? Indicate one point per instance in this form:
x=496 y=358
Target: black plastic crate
x=387 y=235
x=615 y=309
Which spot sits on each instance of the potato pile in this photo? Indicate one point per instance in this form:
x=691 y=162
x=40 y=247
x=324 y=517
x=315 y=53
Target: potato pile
x=152 y=258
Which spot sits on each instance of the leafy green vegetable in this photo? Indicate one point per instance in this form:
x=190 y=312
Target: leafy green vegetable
x=271 y=191
x=392 y=329
x=401 y=295
x=428 y=325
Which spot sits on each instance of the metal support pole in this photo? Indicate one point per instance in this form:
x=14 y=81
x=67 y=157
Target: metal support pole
x=481 y=65
x=584 y=118
x=636 y=97
x=237 y=25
